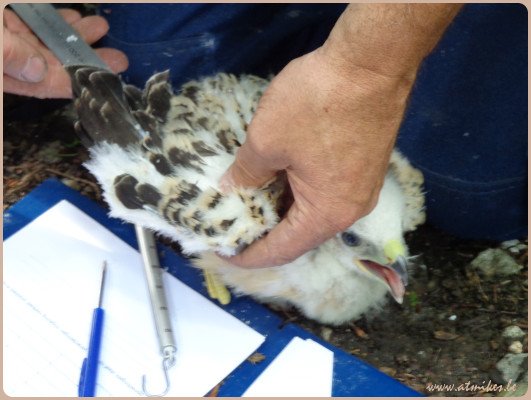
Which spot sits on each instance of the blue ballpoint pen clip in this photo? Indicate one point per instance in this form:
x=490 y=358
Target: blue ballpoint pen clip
x=89 y=369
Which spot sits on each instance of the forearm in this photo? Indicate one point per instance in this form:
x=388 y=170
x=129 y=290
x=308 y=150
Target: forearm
x=387 y=39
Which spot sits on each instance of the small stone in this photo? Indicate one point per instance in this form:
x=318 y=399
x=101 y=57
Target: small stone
x=388 y=370
x=457 y=293
x=513 y=333
x=355 y=352
x=495 y=262
x=443 y=335
x=51 y=153
x=510 y=368
x=71 y=183
x=514 y=246
x=402 y=358
x=326 y=333
x=432 y=284
x=448 y=283
x=359 y=332
x=516 y=347
x=521 y=389
x=256 y=358
x=8 y=148
x=509 y=243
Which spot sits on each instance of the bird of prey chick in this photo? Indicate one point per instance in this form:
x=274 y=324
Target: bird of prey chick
x=159 y=157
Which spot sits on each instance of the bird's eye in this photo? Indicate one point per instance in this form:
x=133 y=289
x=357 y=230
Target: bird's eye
x=350 y=239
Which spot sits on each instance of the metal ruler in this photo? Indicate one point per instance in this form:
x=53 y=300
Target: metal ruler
x=57 y=35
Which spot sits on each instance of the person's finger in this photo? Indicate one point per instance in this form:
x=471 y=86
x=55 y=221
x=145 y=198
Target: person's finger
x=22 y=60
x=296 y=234
x=14 y=23
x=115 y=59
x=56 y=86
x=91 y=28
x=57 y=83
x=69 y=15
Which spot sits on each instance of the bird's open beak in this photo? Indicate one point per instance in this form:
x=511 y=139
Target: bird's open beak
x=393 y=273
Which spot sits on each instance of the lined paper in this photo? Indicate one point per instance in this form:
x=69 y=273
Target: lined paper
x=52 y=271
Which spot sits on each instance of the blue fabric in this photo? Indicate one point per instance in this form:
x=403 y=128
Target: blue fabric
x=195 y=40
x=466 y=125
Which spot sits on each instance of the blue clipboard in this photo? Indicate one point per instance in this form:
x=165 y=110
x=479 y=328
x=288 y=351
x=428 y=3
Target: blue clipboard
x=352 y=377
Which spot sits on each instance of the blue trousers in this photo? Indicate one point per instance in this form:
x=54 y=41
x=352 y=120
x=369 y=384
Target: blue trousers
x=466 y=124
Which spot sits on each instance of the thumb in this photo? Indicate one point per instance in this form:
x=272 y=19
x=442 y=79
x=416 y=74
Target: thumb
x=22 y=61
x=249 y=169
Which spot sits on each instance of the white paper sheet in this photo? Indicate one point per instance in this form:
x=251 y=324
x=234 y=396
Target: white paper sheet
x=303 y=368
x=52 y=269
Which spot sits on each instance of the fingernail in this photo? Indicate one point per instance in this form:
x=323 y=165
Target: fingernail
x=34 y=70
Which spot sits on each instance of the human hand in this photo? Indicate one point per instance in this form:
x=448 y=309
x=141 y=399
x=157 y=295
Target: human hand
x=330 y=119
x=332 y=131
x=30 y=69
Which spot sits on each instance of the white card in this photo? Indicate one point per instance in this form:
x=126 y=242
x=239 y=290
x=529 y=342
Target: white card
x=303 y=368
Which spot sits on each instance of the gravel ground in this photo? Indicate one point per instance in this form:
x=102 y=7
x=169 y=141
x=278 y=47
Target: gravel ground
x=458 y=320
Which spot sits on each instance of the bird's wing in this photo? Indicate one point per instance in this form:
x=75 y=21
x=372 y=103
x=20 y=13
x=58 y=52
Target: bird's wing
x=411 y=181
x=159 y=156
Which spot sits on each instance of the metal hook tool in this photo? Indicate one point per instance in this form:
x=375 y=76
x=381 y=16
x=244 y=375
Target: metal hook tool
x=168 y=361
x=148 y=250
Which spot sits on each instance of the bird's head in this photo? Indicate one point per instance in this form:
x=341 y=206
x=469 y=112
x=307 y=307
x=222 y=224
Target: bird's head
x=374 y=246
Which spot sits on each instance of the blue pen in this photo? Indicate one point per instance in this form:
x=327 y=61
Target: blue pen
x=89 y=369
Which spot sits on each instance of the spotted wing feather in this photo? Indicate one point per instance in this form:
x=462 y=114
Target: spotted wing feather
x=104 y=114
